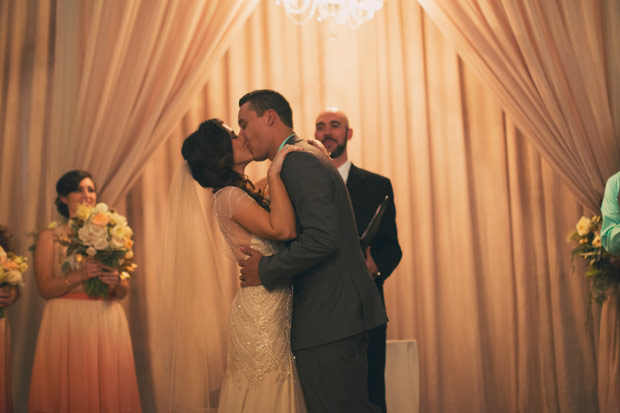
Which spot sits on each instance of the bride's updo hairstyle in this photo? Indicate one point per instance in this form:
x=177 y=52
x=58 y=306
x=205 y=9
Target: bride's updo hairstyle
x=68 y=183
x=209 y=154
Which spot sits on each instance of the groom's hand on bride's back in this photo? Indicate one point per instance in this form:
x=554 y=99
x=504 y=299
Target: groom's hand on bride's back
x=249 y=267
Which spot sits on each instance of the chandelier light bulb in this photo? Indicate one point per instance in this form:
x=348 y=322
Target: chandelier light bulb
x=351 y=12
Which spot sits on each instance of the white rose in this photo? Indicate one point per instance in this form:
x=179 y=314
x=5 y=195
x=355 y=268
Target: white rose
x=13 y=277
x=93 y=234
x=91 y=251
x=583 y=226
x=101 y=243
x=118 y=219
x=86 y=234
x=101 y=207
x=117 y=232
x=116 y=243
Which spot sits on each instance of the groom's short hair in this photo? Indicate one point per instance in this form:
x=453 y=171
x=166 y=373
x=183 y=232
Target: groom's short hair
x=264 y=99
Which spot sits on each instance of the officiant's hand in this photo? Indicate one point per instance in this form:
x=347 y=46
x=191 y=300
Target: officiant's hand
x=249 y=267
x=373 y=269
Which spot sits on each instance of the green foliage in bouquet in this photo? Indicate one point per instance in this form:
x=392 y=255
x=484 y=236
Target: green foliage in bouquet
x=600 y=269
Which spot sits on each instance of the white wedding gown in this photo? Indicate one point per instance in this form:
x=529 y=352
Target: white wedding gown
x=260 y=374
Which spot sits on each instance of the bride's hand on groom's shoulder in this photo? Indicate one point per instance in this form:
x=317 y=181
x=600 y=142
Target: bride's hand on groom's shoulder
x=249 y=267
x=319 y=145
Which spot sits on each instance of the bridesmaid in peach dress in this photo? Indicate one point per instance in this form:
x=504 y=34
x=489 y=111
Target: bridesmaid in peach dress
x=83 y=360
x=8 y=295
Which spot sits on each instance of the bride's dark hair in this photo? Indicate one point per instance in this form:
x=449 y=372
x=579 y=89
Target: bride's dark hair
x=209 y=154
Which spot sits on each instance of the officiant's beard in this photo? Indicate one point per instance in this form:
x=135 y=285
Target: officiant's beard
x=339 y=149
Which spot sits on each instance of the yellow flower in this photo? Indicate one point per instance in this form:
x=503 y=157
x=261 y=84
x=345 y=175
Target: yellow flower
x=596 y=242
x=83 y=212
x=52 y=225
x=583 y=226
x=129 y=254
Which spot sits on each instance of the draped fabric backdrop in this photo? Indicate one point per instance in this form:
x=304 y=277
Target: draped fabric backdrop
x=485 y=284
x=547 y=74
x=94 y=85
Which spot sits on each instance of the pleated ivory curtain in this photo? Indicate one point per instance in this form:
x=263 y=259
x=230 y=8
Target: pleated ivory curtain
x=485 y=284
x=95 y=85
x=545 y=63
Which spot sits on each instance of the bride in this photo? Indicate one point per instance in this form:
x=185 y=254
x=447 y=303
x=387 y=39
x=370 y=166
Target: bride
x=260 y=369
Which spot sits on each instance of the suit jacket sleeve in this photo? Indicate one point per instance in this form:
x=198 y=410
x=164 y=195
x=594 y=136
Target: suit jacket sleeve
x=310 y=187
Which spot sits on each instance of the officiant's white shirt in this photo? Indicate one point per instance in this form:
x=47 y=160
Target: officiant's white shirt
x=344 y=170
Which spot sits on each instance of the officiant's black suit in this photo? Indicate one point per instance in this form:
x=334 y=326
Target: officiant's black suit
x=335 y=301
x=367 y=190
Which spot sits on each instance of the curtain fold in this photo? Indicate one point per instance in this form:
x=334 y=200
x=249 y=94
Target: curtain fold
x=95 y=85
x=545 y=63
x=485 y=285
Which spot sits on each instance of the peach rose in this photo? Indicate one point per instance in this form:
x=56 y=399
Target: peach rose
x=100 y=220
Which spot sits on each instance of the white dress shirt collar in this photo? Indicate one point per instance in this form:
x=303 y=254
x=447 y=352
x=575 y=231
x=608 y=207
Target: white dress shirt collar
x=344 y=170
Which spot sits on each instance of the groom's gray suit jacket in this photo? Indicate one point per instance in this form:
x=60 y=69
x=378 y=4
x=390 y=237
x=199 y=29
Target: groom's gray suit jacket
x=334 y=296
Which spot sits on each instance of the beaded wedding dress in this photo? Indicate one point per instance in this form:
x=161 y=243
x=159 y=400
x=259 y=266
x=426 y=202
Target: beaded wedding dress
x=260 y=372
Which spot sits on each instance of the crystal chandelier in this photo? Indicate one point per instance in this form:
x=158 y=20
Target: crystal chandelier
x=351 y=12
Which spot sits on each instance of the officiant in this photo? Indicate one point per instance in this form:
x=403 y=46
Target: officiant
x=366 y=190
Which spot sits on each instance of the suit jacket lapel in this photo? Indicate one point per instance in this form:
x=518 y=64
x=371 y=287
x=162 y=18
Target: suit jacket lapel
x=355 y=183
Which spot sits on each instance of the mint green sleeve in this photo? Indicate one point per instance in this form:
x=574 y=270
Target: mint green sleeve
x=610 y=211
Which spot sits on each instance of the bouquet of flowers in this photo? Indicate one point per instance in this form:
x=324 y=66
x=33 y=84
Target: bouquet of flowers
x=103 y=234
x=12 y=267
x=600 y=269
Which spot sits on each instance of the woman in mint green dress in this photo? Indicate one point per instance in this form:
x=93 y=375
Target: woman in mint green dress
x=610 y=210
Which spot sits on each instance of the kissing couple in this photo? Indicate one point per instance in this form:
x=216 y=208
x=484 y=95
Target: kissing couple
x=297 y=332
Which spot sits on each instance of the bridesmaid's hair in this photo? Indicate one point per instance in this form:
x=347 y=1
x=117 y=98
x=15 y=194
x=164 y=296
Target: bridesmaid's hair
x=209 y=154
x=68 y=183
x=6 y=239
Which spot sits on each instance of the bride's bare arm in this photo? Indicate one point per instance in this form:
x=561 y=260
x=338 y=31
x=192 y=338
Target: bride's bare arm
x=279 y=223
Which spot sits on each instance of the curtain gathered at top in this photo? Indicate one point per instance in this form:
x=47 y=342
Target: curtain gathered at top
x=94 y=85
x=491 y=134
x=552 y=66
x=485 y=284
x=545 y=63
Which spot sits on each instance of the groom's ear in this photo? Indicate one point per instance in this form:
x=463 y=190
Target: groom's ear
x=270 y=116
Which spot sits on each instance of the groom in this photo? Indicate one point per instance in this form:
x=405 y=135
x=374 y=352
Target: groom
x=335 y=301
